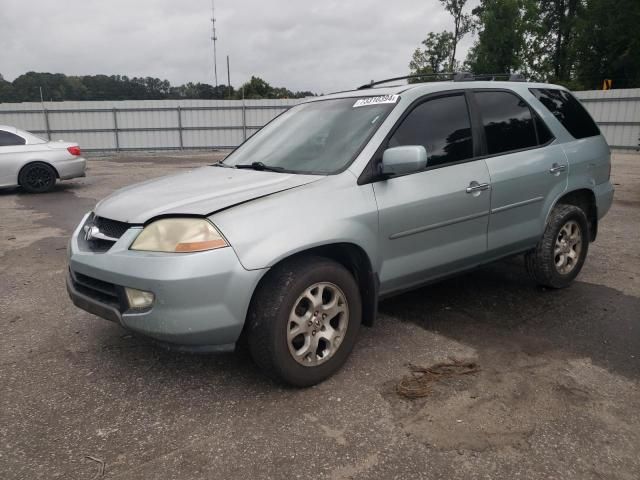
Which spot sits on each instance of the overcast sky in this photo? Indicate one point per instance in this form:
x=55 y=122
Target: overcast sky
x=321 y=45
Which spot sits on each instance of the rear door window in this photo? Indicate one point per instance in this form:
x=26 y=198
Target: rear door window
x=9 y=139
x=508 y=122
x=442 y=125
x=569 y=111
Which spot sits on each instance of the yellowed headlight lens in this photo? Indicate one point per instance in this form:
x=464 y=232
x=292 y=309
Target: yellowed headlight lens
x=179 y=235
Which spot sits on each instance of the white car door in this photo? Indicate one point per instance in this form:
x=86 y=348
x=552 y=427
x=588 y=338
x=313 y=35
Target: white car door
x=12 y=150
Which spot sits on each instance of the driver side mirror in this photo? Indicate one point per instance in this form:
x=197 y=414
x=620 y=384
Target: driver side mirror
x=403 y=160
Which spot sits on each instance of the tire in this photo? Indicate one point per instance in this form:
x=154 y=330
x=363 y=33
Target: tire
x=275 y=340
x=37 y=177
x=560 y=254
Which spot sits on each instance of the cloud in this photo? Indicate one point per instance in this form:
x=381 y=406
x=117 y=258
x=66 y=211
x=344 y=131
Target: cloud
x=321 y=46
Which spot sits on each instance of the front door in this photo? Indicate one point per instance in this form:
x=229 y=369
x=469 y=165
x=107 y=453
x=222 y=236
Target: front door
x=11 y=148
x=434 y=222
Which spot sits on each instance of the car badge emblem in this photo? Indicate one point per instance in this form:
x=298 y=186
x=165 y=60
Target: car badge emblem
x=91 y=232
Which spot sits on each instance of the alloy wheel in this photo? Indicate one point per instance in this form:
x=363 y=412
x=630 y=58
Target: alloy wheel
x=568 y=247
x=39 y=178
x=317 y=324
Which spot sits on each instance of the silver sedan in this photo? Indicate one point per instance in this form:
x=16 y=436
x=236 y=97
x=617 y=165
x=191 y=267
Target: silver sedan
x=35 y=163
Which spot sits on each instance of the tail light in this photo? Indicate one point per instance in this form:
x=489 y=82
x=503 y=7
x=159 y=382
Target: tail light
x=75 y=150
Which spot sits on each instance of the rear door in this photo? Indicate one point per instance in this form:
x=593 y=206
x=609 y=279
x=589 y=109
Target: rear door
x=526 y=169
x=587 y=151
x=434 y=222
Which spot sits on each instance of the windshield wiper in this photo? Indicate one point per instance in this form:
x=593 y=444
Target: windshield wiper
x=260 y=166
x=220 y=164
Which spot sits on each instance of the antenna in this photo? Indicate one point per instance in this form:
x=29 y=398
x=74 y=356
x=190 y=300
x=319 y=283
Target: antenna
x=214 y=38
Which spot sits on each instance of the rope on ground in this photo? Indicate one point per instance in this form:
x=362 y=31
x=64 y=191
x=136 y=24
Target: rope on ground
x=418 y=383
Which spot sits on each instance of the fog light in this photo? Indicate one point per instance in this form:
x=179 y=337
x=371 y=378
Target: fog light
x=139 y=299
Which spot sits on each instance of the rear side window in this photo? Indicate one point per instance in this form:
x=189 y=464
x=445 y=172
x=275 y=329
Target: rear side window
x=508 y=122
x=442 y=126
x=9 y=139
x=569 y=111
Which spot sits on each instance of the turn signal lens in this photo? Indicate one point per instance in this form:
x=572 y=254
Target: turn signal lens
x=181 y=235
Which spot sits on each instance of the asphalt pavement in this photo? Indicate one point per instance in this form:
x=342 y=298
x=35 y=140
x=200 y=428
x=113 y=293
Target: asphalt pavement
x=557 y=394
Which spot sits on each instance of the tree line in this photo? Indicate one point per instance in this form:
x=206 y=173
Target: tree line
x=59 y=87
x=576 y=43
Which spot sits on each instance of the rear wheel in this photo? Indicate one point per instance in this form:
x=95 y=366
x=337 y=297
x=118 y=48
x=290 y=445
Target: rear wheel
x=560 y=254
x=304 y=320
x=37 y=177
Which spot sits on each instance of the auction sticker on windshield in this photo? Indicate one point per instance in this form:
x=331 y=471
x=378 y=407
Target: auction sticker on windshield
x=363 y=102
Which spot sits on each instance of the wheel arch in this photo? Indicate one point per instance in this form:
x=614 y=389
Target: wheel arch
x=355 y=259
x=31 y=162
x=584 y=198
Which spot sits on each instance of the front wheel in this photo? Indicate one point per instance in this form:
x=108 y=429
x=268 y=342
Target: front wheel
x=304 y=320
x=562 y=250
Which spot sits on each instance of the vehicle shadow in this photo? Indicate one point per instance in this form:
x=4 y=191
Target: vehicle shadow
x=492 y=309
x=6 y=191
x=498 y=307
x=121 y=351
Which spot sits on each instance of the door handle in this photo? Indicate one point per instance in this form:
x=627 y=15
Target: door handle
x=477 y=187
x=555 y=168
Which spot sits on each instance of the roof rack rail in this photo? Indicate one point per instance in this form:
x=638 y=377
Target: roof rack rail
x=455 y=76
x=406 y=77
x=463 y=77
x=467 y=77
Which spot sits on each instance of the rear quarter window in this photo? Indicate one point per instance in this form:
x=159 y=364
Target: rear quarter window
x=9 y=139
x=568 y=110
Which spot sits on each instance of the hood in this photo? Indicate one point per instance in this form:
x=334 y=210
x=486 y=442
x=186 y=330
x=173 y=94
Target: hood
x=199 y=192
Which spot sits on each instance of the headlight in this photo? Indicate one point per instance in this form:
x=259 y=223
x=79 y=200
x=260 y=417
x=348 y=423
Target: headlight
x=179 y=235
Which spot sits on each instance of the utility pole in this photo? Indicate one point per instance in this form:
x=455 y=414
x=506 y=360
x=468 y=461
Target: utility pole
x=215 y=39
x=45 y=115
x=228 y=77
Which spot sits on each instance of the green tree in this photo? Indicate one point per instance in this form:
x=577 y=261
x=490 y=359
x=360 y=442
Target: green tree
x=576 y=43
x=501 y=37
x=461 y=25
x=6 y=91
x=255 y=88
x=556 y=32
x=27 y=86
x=608 y=44
x=435 y=55
x=223 y=92
x=58 y=87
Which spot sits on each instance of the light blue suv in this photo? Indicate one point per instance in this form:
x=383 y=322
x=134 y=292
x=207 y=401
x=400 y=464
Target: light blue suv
x=289 y=243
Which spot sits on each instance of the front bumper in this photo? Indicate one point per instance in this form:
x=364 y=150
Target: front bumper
x=201 y=299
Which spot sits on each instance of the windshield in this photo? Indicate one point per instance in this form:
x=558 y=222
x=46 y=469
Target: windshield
x=320 y=137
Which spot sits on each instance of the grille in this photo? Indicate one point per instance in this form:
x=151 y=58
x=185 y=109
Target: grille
x=99 y=290
x=111 y=228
